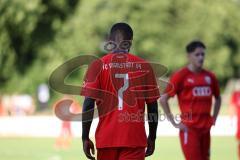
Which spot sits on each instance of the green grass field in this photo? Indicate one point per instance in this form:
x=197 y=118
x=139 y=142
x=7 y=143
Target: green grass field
x=167 y=148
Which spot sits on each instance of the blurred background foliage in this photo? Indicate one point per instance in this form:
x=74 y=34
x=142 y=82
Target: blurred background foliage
x=37 y=36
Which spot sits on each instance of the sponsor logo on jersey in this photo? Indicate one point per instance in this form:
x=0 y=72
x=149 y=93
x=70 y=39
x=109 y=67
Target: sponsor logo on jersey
x=202 y=91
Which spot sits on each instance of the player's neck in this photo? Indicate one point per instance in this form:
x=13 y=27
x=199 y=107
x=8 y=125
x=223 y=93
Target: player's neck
x=120 y=51
x=194 y=69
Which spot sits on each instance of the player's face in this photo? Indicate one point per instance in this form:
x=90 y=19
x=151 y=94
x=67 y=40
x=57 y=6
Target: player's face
x=196 y=58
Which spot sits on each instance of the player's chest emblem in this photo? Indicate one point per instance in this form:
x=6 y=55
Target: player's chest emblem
x=207 y=79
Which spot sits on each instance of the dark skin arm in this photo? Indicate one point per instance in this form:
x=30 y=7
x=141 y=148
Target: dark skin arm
x=152 y=111
x=88 y=108
x=216 y=109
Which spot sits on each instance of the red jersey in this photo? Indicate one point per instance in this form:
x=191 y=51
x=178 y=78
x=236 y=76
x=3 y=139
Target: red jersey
x=194 y=92
x=121 y=86
x=235 y=100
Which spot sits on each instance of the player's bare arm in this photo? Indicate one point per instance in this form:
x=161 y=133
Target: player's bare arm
x=152 y=110
x=166 y=109
x=88 y=146
x=216 y=109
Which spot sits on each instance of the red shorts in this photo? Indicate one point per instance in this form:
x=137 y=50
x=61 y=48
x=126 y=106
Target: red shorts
x=195 y=144
x=121 y=153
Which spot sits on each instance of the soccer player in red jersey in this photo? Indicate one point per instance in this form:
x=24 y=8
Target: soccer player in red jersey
x=235 y=106
x=120 y=90
x=194 y=87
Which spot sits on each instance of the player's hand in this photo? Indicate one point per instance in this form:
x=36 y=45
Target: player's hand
x=88 y=148
x=181 y=126
x=150 y=147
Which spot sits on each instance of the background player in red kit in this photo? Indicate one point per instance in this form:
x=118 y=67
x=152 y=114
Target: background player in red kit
x=120 y=91
x=194 y=87
x=235 y=108
x=65 y=136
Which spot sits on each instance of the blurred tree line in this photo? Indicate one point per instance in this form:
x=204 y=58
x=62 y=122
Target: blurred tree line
x=37 y=36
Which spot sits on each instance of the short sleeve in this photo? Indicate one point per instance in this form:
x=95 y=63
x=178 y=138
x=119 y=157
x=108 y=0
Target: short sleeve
x=173 y=86
x=215 y=86
x=92 y=80
x=153 y=90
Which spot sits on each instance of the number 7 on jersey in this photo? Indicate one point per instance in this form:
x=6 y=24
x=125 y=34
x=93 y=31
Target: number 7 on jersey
x=122 y=89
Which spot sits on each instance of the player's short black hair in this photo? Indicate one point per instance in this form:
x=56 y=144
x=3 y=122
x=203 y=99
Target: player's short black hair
x=193 y=45
x=124 y=29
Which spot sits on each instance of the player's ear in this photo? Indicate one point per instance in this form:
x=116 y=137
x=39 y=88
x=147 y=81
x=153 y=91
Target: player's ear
x=130 y=45
x=189 y=57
